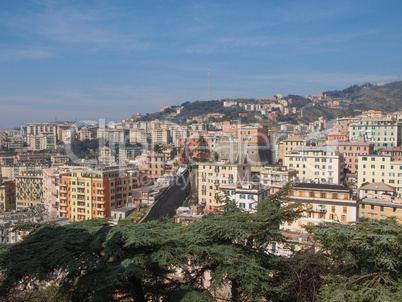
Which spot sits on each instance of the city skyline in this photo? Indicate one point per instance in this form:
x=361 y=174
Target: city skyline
x=72 y=60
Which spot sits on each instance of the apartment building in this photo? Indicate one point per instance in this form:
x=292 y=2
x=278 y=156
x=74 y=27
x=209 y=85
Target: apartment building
x=319 y=164
x=321 y=203
x=161 y=136
x=155 y=165
x=7 y=195
x=93 y=193
x=12 y=171
x=248 y=195
x=29 y=190
x=351 y=151
x=51 y=190
x=379 y=201
x=380 y=168
x=291 y=143
x=42 y=141
x=382 y=132
x=395 y=152
x=34 y=129
x=217 y=178
x=111 y=135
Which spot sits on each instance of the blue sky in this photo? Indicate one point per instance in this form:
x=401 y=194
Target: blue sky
x=110 y=59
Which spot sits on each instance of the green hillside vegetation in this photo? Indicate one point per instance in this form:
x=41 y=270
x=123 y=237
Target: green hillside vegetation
x=387 y=98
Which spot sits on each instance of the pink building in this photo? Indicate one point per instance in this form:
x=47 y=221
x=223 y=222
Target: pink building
x=351 y=151
x=337 y=137
x=396 y=152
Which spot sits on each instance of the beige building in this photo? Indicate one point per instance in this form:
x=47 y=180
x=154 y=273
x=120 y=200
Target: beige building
x=217 y=178
x=319 y=164
x=42 y=141
x=13 y=171
x=289 y=144
x=380 y=168
x=321 y=203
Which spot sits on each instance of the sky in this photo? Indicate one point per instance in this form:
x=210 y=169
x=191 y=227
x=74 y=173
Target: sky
x=86 y=60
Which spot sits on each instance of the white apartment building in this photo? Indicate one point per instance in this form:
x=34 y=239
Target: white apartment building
x=318 y=164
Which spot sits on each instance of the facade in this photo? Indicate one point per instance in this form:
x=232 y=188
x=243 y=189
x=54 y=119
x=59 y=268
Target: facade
x=42 y=141
x=188 y=215
x=93 y=193
x=395 y=152
x=155 y=165
x=249 y=195
x=34 y=129
x=7 y=195
x=380 y=168
x=276 y=175
x=382 y=132
x=322 y=203
x=161 y=136
x=289 y=144
x=380 y=209
x=217 y=178
x=375 y=190
x=51 y=190
x=351 y=151
x=319 y=164
x=29 y=190
x=13 y=171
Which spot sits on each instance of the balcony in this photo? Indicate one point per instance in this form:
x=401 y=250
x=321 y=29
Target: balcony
x=101 y=202
x=63 y=211
x=101 y=195
x=317 y=210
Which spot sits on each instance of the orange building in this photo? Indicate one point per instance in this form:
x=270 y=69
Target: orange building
x=93 y=193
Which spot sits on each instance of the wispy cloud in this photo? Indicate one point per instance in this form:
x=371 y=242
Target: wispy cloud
x=24 y=54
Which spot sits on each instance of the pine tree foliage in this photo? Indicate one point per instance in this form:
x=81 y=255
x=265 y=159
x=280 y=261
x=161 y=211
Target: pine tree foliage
x=366 y=261
x=94 y=261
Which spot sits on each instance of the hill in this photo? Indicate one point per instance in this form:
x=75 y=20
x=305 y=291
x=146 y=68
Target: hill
x=354 y=99
x=387 y=98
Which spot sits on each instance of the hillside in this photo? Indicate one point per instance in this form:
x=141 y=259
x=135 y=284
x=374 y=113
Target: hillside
x=354 y=99
x=387 y=98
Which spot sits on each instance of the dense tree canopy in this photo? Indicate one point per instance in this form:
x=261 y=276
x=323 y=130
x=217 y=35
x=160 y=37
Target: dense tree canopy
x=94 y=261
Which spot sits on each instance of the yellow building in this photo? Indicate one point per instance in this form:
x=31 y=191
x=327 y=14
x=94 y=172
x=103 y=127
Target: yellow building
x=379 y=168
x=7 y=195
x=322 y=203
x=217 y=178
x=29 y=190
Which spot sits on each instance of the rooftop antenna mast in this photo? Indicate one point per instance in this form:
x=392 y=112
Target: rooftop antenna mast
x=208 y=83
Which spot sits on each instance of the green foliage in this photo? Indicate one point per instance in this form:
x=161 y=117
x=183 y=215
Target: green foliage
x=366 y=261
x=94 y=261
x=81 y=149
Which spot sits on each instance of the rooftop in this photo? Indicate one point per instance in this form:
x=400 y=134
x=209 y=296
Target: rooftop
x=379 y=186
x=304 y=185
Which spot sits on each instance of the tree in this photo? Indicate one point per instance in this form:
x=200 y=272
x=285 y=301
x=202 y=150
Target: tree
x=92 y=260
x=366 y=261
x=234 y=246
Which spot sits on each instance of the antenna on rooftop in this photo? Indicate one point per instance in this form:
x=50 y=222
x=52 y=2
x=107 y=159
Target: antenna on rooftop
x=208 y=83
